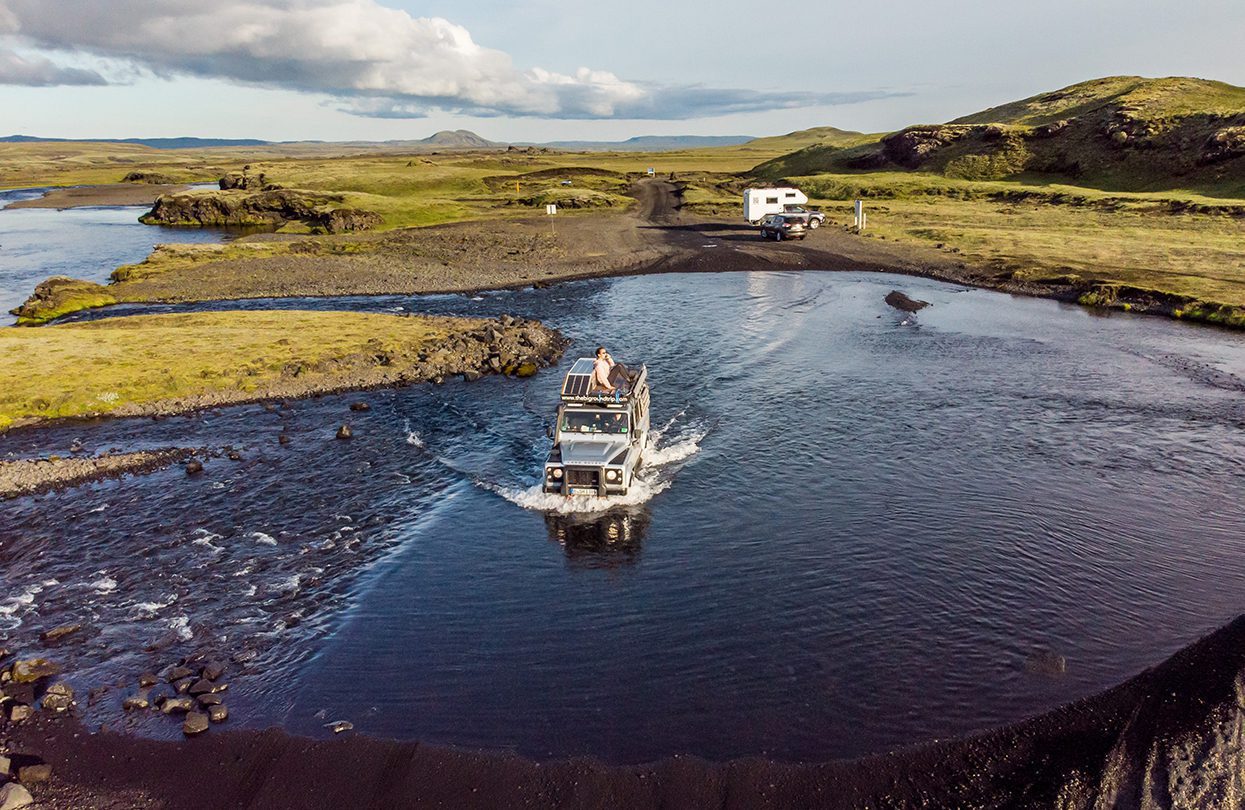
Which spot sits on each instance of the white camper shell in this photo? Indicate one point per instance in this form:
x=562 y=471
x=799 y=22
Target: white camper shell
x=761 y=202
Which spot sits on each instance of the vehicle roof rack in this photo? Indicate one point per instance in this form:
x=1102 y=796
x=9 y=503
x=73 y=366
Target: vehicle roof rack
x=578 y=383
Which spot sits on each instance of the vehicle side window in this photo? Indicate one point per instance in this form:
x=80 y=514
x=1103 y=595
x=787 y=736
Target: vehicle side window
x=771 y=200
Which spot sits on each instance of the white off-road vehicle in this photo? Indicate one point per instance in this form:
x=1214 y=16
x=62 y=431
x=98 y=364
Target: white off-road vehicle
x=599 y=441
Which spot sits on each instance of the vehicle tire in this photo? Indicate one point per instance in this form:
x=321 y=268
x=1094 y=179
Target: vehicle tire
x=764 y=235
x=777 y=236
x=813 y=224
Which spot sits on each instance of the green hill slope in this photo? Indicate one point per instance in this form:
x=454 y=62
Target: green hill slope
x=1123 y=132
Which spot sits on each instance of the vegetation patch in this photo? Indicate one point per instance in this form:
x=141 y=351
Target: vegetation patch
x=103 y=366
x=59 y=296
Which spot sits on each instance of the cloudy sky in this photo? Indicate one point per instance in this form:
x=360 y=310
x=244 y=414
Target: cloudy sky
x=552 y=69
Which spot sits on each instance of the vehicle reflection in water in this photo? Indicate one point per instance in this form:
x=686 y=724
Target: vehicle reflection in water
x=610 y=540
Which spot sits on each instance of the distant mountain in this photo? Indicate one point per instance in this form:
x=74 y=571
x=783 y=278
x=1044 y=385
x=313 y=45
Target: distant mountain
x=804 y=138
x=459 y=139
x=1120 y=132
x=154 y=143
x=648 y=143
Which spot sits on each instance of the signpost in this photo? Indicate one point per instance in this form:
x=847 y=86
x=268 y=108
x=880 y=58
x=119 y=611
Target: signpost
x=861 y=217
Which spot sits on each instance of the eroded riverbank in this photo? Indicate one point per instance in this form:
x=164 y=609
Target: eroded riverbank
x=1166 y=739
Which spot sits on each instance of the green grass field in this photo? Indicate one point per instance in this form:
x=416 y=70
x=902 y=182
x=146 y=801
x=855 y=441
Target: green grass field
x=102 y=366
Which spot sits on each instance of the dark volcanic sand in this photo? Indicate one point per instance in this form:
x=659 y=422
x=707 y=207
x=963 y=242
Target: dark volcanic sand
x=1169 y=737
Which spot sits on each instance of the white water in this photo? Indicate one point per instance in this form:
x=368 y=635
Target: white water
x=658 y=474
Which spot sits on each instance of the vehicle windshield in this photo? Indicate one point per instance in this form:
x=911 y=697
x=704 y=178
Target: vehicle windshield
x=613 y=422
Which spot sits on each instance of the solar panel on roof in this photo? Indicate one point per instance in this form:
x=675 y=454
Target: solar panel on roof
x=579 y=378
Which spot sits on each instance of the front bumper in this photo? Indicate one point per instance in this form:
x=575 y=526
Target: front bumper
x=584 y=481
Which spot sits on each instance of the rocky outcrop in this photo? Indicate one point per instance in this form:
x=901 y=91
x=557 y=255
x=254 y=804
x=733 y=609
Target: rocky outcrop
x=243 y=180
x=273 y=208
x=58 y=296
x=1226 y=144
x=151 y=178
x=32 y=476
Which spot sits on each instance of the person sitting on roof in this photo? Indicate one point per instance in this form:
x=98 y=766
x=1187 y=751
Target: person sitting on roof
x=607 y=375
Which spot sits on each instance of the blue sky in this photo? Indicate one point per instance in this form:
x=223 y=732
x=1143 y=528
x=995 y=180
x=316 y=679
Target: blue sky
x=544 y=70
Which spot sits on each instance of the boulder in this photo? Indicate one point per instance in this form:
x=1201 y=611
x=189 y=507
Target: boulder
x=147 y=679
x=218 y=713
x=20 y=712
x=35 y=772
x=195 y=723
x=136 y=702
x=58 y=698
x=175 y=705
x=360 y=406
x=15 y=797
x=213 y=670
x=209 y=699
x=344 y=432
x=194 y=467
x=33 y=669
x=179 y=673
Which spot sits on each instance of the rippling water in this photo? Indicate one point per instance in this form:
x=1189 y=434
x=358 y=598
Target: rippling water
x=862 y=529
x=87 y=243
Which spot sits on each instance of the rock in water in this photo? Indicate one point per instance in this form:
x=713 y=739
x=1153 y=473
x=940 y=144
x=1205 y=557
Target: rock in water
x=1046 y=662
x=33 y=669
x=338 y=726
x=15 y=797
x=218 y=713
x=59 y=697
x=360 y=406
x=196 y=723
x=177 y=704
x=135 y=702
x=58 y=633
x=344 y=432
x=902 y=302
x=194 y=467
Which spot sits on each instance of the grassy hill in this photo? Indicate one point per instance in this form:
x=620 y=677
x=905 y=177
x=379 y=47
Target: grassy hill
x=1122 y=133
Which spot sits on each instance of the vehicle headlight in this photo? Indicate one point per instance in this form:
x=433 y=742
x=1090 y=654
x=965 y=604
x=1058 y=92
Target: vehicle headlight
x=611 y=475
x=556 y=472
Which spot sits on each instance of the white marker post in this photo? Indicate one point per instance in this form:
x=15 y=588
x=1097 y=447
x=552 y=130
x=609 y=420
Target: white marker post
x=551 y=209
x=859 y=222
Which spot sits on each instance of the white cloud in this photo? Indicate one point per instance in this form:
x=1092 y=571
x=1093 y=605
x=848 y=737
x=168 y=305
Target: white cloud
x=382 y=61
x=36 y=71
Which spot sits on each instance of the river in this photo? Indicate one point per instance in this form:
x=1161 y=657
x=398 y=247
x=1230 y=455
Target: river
x=86 y=243
x=861 y=529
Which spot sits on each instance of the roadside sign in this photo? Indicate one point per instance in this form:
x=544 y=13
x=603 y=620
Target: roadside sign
x=551 y=209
